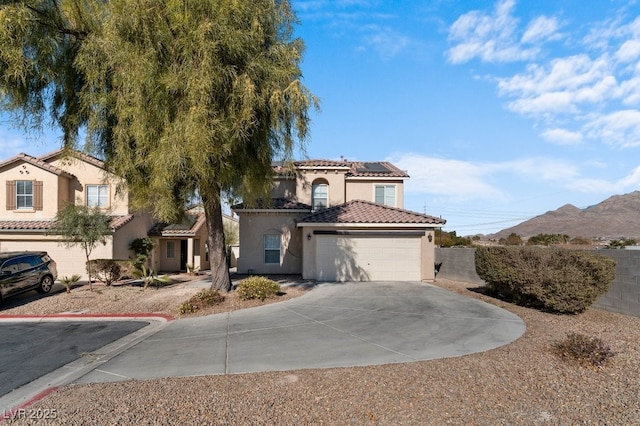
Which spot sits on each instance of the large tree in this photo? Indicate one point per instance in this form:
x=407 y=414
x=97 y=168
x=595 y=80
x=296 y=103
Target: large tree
x=180 y=97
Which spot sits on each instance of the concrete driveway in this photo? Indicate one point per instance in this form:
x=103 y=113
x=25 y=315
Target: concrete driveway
x=334 y=325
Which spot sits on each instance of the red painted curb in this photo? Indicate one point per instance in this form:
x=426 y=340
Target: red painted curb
x=165 y=317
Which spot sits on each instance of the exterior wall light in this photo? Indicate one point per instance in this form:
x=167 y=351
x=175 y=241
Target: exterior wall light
x=430 y=237
x=309 y=236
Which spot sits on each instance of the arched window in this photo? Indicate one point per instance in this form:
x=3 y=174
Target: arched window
x=320 y=194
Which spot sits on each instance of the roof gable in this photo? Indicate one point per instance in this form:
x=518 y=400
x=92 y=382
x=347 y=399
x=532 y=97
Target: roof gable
x=365 y=212
x=79 y=155
x=25 y=158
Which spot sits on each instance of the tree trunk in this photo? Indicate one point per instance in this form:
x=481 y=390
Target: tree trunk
x=220 y=279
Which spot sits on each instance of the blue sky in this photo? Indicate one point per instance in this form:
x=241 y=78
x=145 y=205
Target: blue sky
x=499 y=110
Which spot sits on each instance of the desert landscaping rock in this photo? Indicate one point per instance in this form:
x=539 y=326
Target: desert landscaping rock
x=524 y=382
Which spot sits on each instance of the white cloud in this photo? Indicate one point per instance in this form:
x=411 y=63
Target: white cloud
x=459 y=180
x=562 y=136
x=493 y=37
x=619 y=129
x=540 y=29
x=629 y=51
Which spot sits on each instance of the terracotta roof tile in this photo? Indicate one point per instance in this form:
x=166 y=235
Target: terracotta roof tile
x=354 y=169
x=187 y=228
x=274 y=204
x=36 y=162
x=77 y=154
x=116 y=223
x=358 y=211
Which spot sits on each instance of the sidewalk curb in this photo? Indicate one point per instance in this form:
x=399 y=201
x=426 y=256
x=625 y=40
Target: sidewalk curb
x=22 y=397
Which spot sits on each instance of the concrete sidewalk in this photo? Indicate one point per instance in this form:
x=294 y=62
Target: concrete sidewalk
x=334 y=325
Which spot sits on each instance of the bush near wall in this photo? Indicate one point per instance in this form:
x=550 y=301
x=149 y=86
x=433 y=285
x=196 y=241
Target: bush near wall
x=110 y=270
x=553 y=279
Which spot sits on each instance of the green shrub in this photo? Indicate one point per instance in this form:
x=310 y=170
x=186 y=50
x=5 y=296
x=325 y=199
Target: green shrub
x=585 y=349
x=257 y=288
x=554 y=279
x=202 y=299
x=187 y=308
x=106 y=270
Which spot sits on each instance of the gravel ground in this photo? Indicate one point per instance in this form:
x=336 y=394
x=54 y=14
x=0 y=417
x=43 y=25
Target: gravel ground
x=523 y=383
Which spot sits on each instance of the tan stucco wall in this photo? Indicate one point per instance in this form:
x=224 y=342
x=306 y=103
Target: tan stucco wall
x=428 y=257
x=365 y=190
x=89 y=174
x=137 y=228
x=50 y=191
x=335 y=180
x=252 y=228
x=284 y=188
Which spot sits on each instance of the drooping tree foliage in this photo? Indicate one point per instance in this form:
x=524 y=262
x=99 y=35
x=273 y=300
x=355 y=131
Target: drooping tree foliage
x=180 y=97
x=82 y=226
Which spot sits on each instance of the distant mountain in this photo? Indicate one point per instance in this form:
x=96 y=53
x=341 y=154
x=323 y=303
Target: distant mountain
x=614 y=218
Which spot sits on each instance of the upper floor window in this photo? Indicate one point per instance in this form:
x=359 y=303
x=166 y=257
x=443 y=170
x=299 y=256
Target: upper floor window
x=320 y=195
x=24 y=194
x=271 y=248
x=386 y=194
x=97 y=195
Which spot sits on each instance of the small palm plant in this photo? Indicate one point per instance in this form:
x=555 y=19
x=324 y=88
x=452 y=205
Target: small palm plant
x=68 y=282
x=149 y=276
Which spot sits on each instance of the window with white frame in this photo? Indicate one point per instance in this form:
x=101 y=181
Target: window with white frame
x=271 y=248
x=24 y=194
x=97 y=195
x=386 y=194
x=320 y=196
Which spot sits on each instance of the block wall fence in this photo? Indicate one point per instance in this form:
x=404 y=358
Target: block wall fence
x=458 y=264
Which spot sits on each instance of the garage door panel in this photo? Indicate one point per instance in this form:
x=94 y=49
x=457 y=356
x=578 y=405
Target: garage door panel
x=341 y=258
x=69 y=260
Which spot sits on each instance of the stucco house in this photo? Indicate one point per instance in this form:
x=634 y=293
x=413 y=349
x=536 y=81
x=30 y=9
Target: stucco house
x=337 y=221
x=35 y=188
x=179 y=244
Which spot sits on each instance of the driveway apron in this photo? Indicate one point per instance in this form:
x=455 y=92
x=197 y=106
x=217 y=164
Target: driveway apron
x=334 y=325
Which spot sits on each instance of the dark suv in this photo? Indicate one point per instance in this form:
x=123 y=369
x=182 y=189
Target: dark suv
x=26 y=270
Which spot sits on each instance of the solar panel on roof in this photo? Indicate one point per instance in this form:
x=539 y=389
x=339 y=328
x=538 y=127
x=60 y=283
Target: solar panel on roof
x=373 y=168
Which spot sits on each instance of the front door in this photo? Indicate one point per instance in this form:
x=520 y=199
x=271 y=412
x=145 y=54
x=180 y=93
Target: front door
x=184 y=247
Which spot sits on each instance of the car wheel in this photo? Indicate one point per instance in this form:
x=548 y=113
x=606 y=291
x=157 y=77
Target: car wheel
x=45 y=284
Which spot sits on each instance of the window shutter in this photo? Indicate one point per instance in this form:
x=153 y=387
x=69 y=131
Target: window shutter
x=11 y=195
x=37 y=196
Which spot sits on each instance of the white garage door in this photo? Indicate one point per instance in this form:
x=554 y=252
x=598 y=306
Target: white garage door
x=340 y=258
x=69 y=261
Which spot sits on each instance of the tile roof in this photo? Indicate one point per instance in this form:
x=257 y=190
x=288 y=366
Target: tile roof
x=116 y=223
x=375 y=169
x=354 y=169
x=188 y=227
x=274 y=204
x=36 y=162
x=358 y=211
x=77 y=154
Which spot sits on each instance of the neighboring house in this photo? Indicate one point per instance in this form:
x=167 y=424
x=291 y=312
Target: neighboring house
x=176 y=245
x=34 y=188
x=337 y=221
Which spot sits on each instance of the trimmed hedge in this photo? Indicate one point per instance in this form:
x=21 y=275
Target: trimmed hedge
x=257 y=288
x=553 y=279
